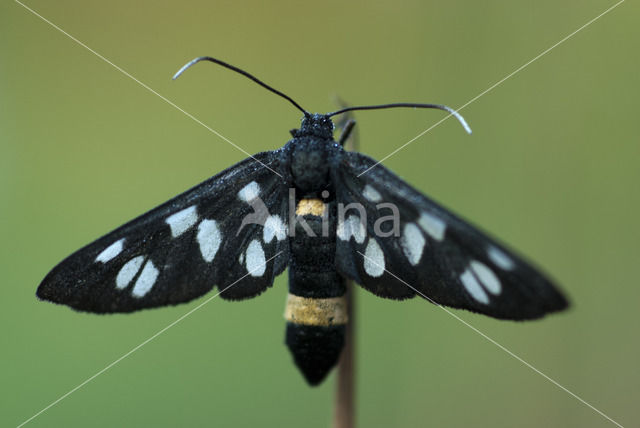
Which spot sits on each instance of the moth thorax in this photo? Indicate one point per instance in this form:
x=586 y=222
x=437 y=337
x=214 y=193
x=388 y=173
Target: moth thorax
x=310 y=164
x=326 y=312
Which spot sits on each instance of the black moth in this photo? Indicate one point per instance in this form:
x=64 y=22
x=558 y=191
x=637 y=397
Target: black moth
x=329 y=215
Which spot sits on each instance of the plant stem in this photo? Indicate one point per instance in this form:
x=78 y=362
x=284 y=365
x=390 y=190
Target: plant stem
x=343 y=416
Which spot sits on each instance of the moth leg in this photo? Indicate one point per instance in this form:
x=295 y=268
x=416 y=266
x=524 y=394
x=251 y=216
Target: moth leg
x=346 y=124
x=346 y=131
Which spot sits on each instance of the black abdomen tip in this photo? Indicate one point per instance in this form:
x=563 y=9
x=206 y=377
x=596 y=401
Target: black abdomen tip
x=315 y=349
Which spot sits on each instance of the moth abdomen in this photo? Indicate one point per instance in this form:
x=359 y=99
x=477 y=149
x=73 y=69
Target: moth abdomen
x=315 y=333
x=312 y=264
x=316 y=311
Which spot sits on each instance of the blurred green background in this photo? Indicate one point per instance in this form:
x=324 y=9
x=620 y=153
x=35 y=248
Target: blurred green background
x=552 y=169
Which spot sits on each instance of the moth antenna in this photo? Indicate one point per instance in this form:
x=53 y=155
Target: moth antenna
x=394 y=105
x=244 y=73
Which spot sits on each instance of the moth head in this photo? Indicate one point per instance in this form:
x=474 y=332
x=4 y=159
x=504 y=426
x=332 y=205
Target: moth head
x=315 y=125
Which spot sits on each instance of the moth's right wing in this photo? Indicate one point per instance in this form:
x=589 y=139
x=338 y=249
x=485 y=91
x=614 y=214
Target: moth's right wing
x=181 y=249
x=433 y=253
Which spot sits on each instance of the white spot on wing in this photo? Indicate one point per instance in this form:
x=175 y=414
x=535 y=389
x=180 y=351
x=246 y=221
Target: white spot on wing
x=412 y=243
x=500 y=258
x=274 y=227
x=473 y=287
x=256 y=262
x=486 y=277
x=209 y=238
x=111 y=251
x=146 y=280
x=181 y=221
x=371 y=194
x=352 y=226
x=128 y=271
x=373 y=259
x=249 y=192
x=434 y=226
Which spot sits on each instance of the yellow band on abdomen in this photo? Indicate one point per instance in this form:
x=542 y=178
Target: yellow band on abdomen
x=312 y=206
x=310 y=311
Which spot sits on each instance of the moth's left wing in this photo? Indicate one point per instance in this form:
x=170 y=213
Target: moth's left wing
x=431 y=252
x=181 y=249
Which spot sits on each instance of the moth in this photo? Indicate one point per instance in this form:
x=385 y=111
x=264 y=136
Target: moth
x=329 y=215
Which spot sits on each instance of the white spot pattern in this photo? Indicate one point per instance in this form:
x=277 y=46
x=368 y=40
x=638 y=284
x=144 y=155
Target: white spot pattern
x=500 y=258
x=146 y=280
x=209 y=239
x=373 y=259
x=274 y=227
x=111 y=251
x=434 y=226
x=128 y=271
x=249 y=192
x=352 y=226
x=486 y=277
x=412 y=243
x=256 y=262
x=181 y=221
x=371 y=194
x=473 y=287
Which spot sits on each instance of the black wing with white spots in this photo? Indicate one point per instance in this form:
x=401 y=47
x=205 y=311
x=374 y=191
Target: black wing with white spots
x=433 y=253
x=181 y=249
